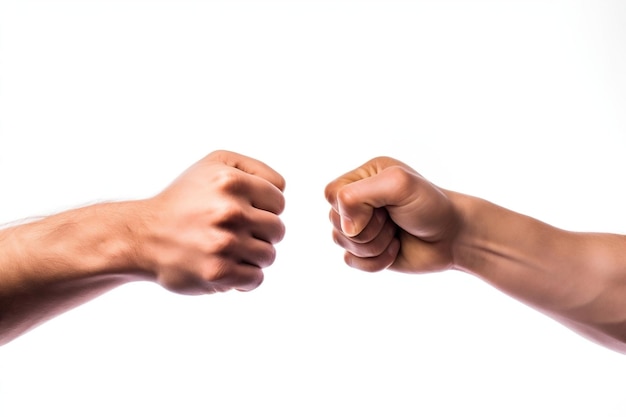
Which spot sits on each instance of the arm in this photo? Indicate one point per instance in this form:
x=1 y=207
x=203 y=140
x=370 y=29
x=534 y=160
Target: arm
x=59 y=262
x=388 y=216
x=212 y=230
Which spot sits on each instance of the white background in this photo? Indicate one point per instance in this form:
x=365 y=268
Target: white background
x=522 y=103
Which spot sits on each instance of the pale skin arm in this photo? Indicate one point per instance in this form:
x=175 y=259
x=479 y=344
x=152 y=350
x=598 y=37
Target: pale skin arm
x=386 y=215
x=212 y=230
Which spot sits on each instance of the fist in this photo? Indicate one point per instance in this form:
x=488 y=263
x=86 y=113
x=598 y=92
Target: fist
x=214 y=228
x=386 y=215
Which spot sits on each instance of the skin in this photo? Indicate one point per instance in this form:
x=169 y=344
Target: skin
x=387 y=216
x=213 y=229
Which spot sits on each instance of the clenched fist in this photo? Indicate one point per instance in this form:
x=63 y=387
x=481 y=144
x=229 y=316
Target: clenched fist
x=386 y=215
x=214 y=228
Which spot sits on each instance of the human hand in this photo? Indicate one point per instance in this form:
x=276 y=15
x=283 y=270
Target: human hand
x=214 y=228
x=386 y=215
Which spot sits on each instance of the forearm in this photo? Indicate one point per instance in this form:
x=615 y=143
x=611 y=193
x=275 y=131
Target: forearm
x=52 y=265
x=577 y=278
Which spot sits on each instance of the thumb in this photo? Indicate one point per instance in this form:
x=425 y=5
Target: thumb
x=356 y=202
x=354 y=215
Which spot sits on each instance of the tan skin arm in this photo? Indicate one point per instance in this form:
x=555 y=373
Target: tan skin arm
x=386 y=215
x=212 y=230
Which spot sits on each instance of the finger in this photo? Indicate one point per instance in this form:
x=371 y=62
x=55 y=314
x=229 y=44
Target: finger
x=372 y=248
x=251 y=191
x=374 y=263
x=356 y=201
x=267 y=198
x=267 y=227
x=261 y=194
x=239 y=276
x=371 y=230
x=250 y=165
x=256 y=252
x=369 y=169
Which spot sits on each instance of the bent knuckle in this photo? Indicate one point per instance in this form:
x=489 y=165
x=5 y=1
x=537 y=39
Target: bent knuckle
x=215 y=269
x=279 y=233
x=399 y=176
x=348 y=196
x=268 y=256
x=228 y=180
x=222 y=244
x=231 y=215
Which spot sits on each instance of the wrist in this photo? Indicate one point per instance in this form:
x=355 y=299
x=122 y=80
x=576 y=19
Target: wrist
x=121 y=229
x=124 y=246
x=470 y=213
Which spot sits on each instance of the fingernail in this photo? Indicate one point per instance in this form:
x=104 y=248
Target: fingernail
x=347 y=226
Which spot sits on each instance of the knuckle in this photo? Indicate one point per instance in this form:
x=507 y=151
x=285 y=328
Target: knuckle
x=256 y=282
x=215 y=269
x=399 y=176
x=280 y=232
x=234 y=215
x=222 y=244
x=268 y=256
x=348 y=196
x=229 y=180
